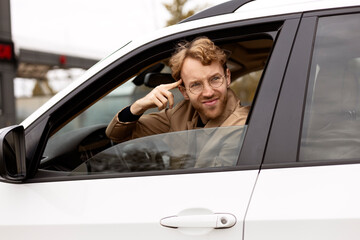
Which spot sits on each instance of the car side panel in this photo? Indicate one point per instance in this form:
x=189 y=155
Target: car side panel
x=305 y=203
x=124 y=208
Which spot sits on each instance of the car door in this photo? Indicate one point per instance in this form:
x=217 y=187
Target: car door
x=308 y=185
x=184 y=203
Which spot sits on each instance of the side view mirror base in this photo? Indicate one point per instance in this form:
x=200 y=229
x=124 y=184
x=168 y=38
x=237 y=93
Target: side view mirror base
x=12 y=153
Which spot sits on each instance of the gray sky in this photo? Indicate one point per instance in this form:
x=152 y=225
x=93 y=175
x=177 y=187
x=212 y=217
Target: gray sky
x=88 y=28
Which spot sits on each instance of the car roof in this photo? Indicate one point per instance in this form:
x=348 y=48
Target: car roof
x=224 y=8
x=268 y=8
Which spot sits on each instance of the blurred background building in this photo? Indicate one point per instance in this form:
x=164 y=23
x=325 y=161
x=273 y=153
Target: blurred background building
x=34 y=66
x=7 y=67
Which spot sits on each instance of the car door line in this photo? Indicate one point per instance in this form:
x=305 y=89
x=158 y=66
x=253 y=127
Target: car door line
x=216 y=220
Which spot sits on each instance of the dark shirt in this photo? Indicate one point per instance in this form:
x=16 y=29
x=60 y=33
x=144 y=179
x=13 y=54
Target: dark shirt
x=126 y=116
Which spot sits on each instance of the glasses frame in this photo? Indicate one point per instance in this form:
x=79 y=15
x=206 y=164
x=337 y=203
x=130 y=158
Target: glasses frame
x=208 y=80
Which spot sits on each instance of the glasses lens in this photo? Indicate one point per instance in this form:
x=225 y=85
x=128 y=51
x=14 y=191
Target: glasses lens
x=196 y=87
x=216 y=81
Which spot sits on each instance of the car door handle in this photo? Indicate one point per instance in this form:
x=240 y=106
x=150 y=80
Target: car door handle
x=218 y=220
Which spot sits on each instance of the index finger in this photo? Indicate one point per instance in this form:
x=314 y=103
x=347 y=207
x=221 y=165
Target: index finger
x=173 y=85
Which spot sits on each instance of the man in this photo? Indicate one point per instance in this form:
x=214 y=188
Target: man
x=199 y=68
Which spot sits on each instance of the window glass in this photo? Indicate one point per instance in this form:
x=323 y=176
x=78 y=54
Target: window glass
x=331 y=126
x=82 y=142
x=207 y=147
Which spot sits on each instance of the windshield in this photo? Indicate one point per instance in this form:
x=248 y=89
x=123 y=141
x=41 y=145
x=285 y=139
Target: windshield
x=200 y=148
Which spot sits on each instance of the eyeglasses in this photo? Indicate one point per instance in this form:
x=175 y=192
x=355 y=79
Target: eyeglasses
x=198 y=86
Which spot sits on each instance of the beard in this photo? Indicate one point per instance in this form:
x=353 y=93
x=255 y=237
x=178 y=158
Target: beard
x=211 y=112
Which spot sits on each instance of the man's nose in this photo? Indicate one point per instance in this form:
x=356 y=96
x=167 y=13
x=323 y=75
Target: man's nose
x=208 y=91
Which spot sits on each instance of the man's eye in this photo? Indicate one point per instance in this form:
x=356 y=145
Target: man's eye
x=195 y=85
x=215 y=79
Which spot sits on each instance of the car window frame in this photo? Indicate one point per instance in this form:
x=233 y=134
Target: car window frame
x=50 y=120
x=285 y=136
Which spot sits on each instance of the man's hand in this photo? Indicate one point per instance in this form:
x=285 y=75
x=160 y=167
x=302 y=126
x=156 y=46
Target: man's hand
x=159 y=97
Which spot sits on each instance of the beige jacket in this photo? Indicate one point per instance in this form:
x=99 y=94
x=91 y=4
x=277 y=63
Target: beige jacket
x=182 y=117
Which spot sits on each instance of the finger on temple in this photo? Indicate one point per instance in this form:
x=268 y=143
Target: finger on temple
x=173 y=85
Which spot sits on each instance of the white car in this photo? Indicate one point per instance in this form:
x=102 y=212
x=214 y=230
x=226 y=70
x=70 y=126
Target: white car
x=292 y=172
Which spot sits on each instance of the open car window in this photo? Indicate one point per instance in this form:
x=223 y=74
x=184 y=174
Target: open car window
x=76 y=143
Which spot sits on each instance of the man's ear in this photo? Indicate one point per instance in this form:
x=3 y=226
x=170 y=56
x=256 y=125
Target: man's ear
x=228 y=77
x=183 y=92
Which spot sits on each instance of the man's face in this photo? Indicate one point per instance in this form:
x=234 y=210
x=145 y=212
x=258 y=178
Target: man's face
x=209 y=103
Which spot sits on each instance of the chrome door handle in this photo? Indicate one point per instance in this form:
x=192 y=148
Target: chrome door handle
x=217 y=220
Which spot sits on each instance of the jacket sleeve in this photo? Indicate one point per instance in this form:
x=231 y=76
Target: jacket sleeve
x=149 y=124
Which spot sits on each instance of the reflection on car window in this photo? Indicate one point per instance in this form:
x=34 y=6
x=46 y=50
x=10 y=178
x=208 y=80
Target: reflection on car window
x=201 y=148
x=331 y=128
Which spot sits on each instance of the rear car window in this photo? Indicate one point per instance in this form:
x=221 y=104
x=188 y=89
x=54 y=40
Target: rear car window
x=331 y=125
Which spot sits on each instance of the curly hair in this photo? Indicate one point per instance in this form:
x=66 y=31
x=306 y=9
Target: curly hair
x=202 y=49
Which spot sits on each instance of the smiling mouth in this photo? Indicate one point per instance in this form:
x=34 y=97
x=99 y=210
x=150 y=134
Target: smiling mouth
x=211 y=102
